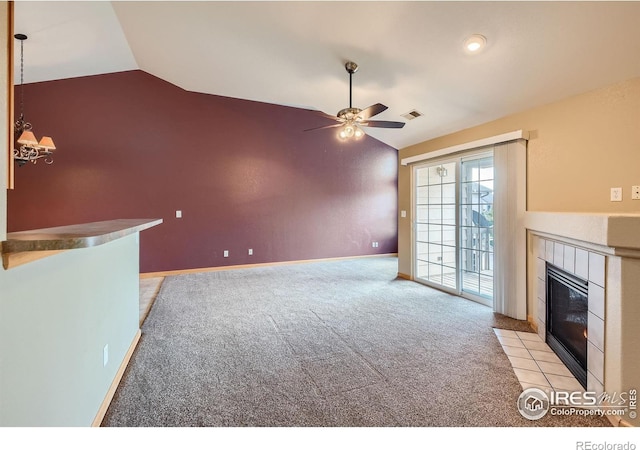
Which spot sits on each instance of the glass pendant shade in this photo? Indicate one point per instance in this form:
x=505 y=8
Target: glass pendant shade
x=348 y=130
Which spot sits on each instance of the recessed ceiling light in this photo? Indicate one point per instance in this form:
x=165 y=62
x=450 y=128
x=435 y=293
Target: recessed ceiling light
x=475 y=43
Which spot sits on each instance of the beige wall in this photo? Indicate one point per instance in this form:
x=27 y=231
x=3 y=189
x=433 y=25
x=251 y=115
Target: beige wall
x=579 y=148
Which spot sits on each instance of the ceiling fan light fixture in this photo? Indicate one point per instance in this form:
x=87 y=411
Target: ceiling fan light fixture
x=474 y=43
x=350 y=130
x=350 y=120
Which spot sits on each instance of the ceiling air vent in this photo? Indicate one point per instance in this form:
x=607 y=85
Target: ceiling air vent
x=412 y=114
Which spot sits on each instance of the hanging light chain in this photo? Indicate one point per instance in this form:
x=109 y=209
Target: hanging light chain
x=20 y=124
x=22 y=78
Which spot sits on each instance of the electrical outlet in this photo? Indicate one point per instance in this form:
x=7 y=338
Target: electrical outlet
x=635 y=192
x=616 y=194
x=226 y=253
x=105 y=355
x=403 y=213
x=250 y=251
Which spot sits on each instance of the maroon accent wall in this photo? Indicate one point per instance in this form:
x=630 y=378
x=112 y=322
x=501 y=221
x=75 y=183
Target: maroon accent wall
x=243 y=173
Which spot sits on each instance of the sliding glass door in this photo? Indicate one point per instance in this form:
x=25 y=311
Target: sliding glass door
x=436 y=217
x=453 y=233
x=476 y=227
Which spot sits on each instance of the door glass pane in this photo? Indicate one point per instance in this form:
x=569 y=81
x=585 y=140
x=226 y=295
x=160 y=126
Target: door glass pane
x=422 y=251
x=449 y=194
x=449 y=235
x=476 y=226
x=436 y=212
x=448 y=214
x=422 y=232
x=422 y=269
x=449 y=277
x=422 y=178
x=422 y=213
x=435 y=253
x=422 y=195
x=435 y=273
x=435 y=195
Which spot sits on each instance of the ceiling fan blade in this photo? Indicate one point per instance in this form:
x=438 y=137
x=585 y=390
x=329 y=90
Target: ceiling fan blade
x=372 y=110
x=382 y=124
x=323 y=114
x=324 y=126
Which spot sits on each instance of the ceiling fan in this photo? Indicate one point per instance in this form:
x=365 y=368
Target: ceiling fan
x=351 y=119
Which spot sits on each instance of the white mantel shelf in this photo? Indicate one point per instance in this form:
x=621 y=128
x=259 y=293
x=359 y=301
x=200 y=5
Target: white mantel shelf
x=617 y=231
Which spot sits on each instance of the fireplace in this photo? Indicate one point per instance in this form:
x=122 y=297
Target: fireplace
x=567 y=315
x=604 y=250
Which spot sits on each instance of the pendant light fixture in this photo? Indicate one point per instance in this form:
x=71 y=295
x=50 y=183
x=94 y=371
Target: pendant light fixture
x=29 y=150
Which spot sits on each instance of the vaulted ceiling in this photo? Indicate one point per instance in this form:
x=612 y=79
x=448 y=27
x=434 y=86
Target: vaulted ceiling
x=292 y=53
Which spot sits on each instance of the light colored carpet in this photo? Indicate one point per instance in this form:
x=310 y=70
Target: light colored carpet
x=320 y=344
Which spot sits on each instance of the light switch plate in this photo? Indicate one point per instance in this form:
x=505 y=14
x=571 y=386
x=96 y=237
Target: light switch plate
x=403 y=213
x=178 y=214
x=616 y=194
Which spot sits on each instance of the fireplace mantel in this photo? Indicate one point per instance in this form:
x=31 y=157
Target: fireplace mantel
x=615 y=231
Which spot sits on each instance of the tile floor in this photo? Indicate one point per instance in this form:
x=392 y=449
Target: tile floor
x=149 y=288
x=534 y=363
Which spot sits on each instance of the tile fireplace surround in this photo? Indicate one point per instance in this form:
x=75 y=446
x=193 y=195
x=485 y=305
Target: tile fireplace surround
x=603 y=249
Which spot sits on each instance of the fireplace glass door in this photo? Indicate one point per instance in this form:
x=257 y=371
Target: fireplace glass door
x=567 y=314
